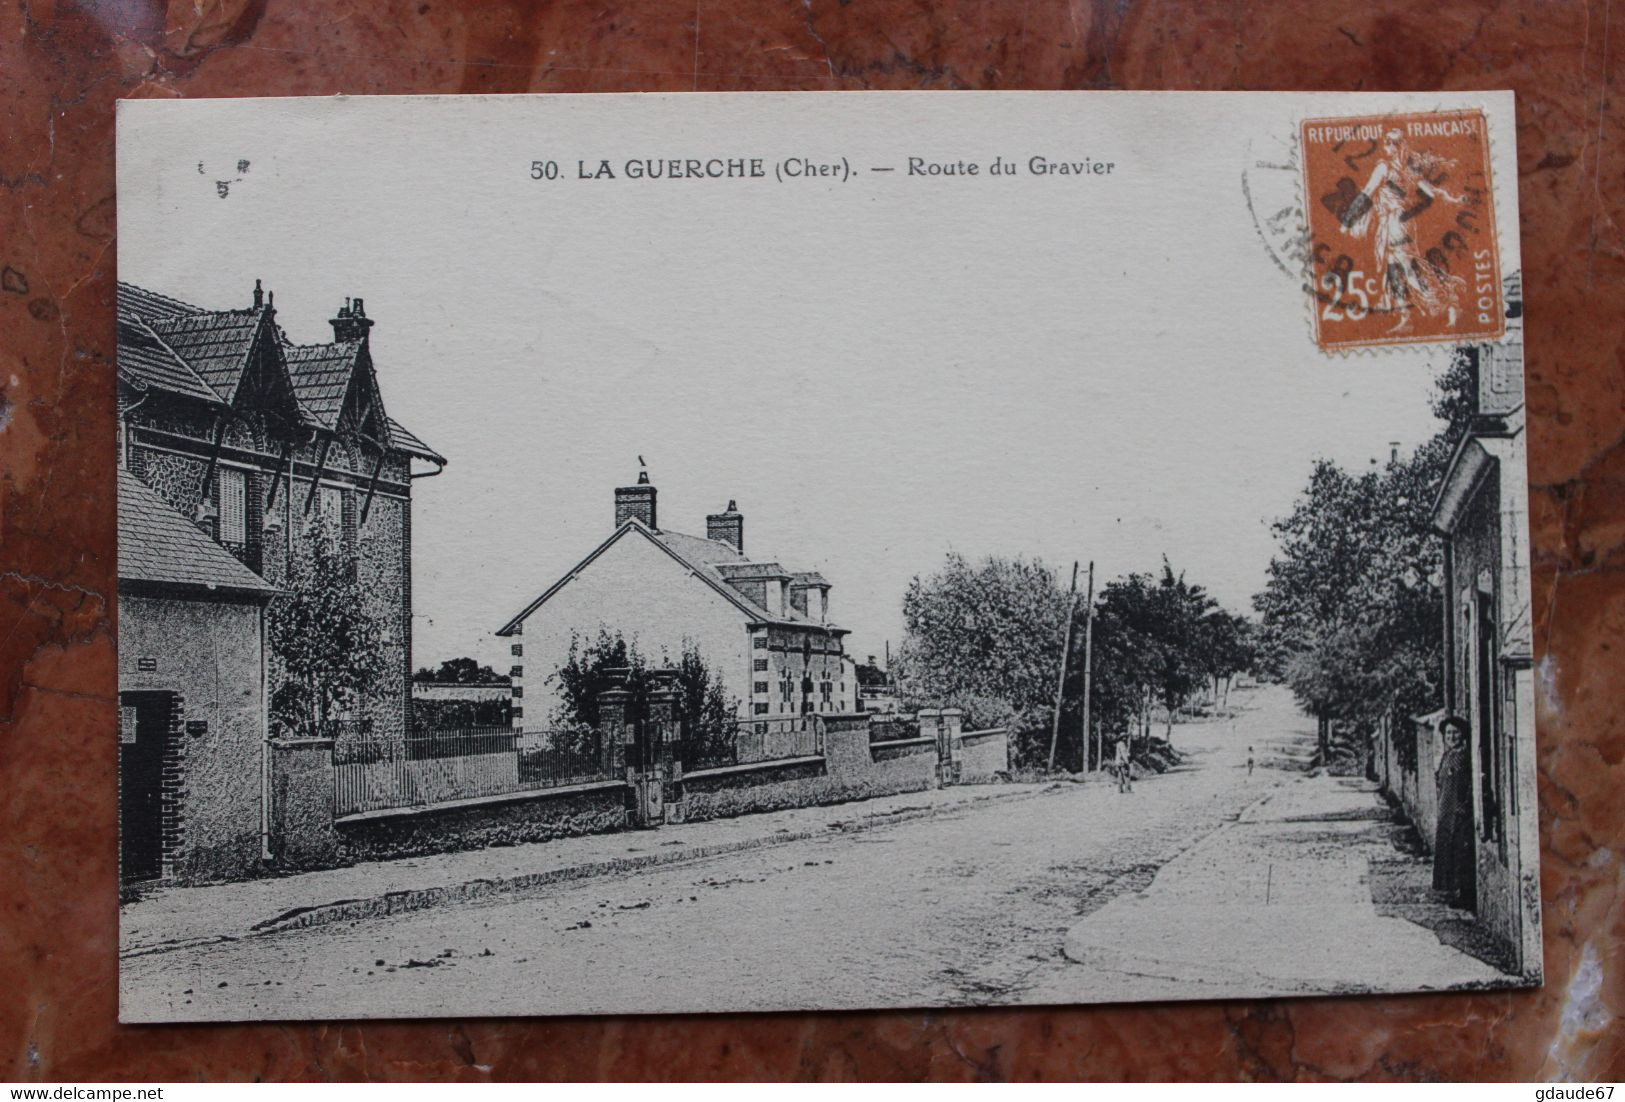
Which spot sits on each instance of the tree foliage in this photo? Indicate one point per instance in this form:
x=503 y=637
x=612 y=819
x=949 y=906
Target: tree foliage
x=460 y=671
x=609 y=661
x=985 y=637
x=988 y=638
x=329 y=646
x=1351 y=612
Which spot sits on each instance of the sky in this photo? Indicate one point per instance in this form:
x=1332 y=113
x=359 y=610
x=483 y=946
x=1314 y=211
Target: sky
x=879 y=372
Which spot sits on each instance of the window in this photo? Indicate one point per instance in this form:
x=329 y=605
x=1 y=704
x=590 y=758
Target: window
x=516 y=671
x=518 y=691
x=760 y=665
x=759 y=687
x=231 y=486
x=517 y=713
x=332 y=504
x=759 y=642
x=758 y=709
x=517 y=650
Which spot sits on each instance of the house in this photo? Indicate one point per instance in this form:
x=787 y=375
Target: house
x=192 y=715
x=762 y=628
x=1480 y=513
x=237 y=449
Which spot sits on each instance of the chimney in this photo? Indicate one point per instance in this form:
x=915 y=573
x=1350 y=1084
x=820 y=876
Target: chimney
x=1393 y=451
x=352 y=322
x=636 y=503
x=727 y=527
x=259 y=295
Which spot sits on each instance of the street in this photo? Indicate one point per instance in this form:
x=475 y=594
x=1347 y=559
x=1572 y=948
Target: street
x=971 y=906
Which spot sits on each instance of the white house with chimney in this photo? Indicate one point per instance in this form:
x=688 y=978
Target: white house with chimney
x=762 y=628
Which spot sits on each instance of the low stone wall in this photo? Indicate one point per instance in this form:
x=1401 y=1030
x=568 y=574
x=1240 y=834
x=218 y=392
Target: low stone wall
x=848 y=770
x=769 y=786
x=1415 y=789
x=537 y=816
x=984 y=756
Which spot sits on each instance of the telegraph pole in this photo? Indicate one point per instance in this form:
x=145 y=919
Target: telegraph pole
x=1066 y=651
x=1088 y=657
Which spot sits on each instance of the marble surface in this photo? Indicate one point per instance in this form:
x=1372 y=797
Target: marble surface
x=63 y=65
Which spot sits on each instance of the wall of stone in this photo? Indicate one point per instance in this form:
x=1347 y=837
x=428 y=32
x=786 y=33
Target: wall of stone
x=984 y=756
x=1417 y=788
x=532 y=817
x=850 y=770
x=208 y=651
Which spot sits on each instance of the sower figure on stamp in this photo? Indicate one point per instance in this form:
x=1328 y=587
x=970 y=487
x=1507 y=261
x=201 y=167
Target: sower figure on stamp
x=1453 y=859
x=1395 y=192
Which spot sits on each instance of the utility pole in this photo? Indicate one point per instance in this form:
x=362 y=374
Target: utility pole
x=1066 y=651
x=1088 y=657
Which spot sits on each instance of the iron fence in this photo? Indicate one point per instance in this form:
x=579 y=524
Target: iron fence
x=430 y=767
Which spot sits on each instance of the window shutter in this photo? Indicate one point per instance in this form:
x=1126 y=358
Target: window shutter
x=233 y=506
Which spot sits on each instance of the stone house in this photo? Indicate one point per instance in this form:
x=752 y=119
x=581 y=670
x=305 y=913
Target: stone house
x=259 y=446
x=1481 y=513
x=762 y=628
x=192 y=717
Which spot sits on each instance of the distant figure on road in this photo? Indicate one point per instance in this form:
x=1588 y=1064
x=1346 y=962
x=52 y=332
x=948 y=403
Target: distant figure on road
x=1125 y=778
x=1249 y=761
x=1454 y=873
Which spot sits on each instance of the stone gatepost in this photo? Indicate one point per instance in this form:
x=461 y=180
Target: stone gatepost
x=663 y=740
x=303 y=835
x=946 y=726
x=615 y=729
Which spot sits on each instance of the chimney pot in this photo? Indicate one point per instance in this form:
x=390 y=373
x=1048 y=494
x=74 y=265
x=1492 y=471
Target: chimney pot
x=351 y=322
x=727 y=527
x=637 y=503
x=259 y=295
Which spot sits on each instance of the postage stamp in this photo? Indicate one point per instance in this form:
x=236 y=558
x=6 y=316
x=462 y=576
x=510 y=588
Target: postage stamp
x=1401 y=229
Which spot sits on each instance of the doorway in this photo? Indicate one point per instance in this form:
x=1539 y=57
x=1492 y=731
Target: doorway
x=146 y=725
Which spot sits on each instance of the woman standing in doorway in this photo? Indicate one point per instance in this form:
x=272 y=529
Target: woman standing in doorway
x=1453 y=870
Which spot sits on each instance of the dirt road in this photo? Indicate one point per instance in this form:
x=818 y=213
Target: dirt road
x=966 y=907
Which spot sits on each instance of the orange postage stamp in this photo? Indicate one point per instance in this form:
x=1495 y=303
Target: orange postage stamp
x=1401 y=229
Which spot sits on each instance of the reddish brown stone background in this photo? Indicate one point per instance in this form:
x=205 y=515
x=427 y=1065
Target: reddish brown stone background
x=62 y=66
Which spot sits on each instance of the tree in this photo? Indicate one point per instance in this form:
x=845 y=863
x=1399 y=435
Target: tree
x=1225 y=648
x=703 y=707
x=596 y=666
x=321 y=633
x=1179 y=610
x=460 y=671
x=704 y=711
x=984 y=637
x=1351 y=613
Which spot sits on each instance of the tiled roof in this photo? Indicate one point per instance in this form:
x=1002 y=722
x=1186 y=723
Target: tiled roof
x=142 y=356
x=720 y=561
x=215 y=344
x=403 y=439
x=157 y=544
x=700 y=550
x=751 y=570
x=321 y=377
x=706 y=558
x=138 y=302
x=179 y=347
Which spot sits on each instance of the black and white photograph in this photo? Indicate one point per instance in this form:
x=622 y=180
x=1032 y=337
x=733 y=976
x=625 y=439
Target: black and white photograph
x=624 y=554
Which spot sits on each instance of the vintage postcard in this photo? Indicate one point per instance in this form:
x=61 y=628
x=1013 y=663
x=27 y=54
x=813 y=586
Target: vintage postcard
x=673 y=553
